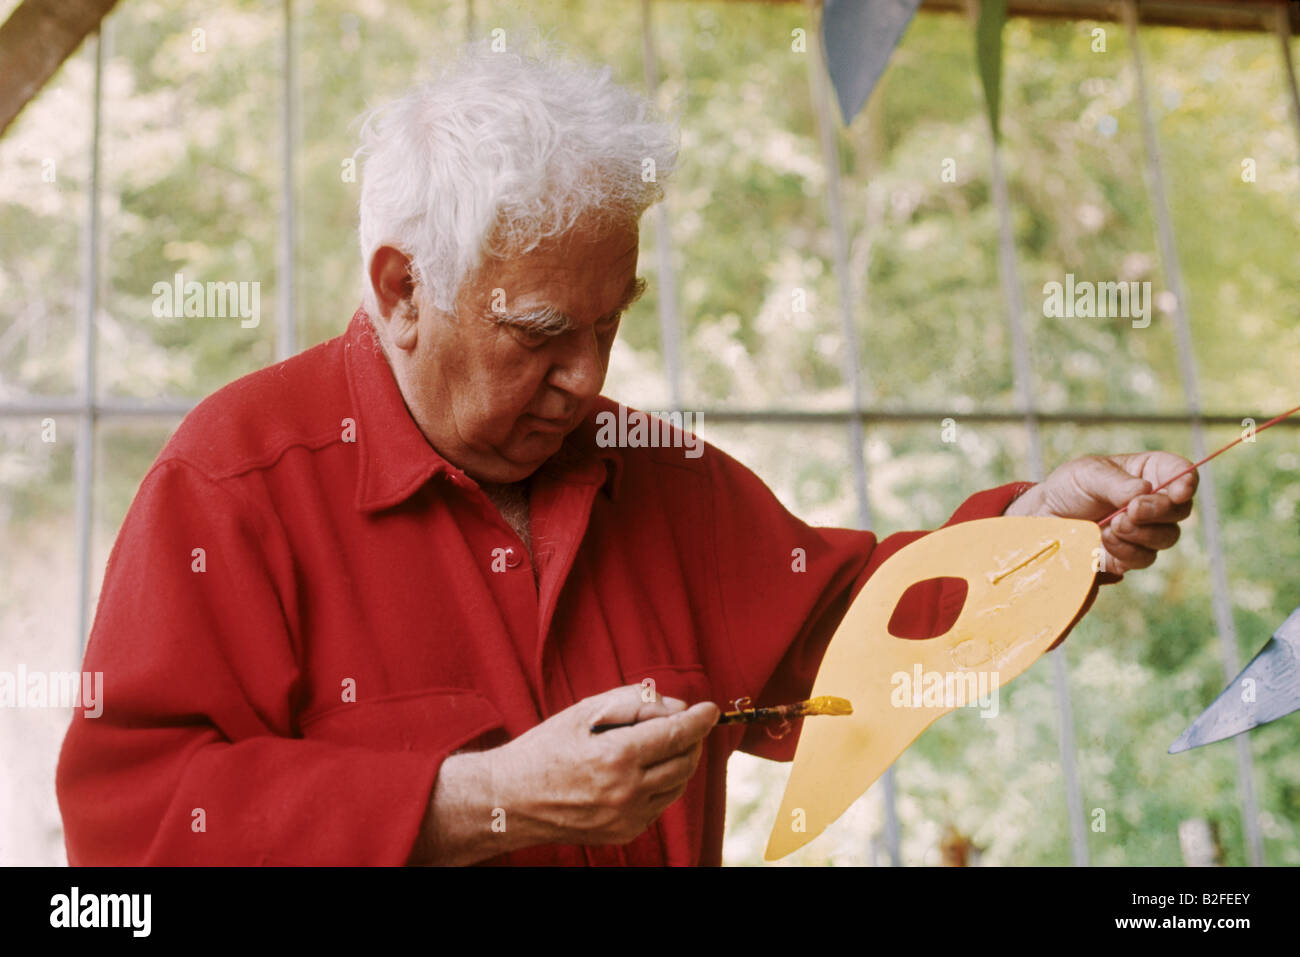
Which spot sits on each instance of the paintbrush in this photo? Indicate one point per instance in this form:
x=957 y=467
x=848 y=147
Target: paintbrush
x=825 y=704
x=1170 y=481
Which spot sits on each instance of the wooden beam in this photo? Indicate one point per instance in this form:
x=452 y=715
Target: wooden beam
x=38 y=36
x=1247 y=15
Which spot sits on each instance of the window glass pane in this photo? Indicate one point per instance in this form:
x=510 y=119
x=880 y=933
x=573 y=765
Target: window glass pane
x=192 y=176
x=1232 y=172
x=805 y=465
x=758 y=299
x=44 y=176
x=39 y=579
x=347 y=59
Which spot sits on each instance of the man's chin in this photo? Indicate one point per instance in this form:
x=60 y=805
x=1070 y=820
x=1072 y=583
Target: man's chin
x=520 y=459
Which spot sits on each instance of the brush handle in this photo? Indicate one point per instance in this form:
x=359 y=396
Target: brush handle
x=754 y=716
x=759 y=715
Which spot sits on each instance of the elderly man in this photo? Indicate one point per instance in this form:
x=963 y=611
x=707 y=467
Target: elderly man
x=369 y=603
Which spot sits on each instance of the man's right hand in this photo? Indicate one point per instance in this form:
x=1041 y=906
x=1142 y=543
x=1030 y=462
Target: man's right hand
x=570 y=786
x=559 y=783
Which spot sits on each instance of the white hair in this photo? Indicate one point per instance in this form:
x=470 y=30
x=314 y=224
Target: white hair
x=499 y=153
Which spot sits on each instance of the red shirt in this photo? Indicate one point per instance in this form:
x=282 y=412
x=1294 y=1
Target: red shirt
x=340 y=550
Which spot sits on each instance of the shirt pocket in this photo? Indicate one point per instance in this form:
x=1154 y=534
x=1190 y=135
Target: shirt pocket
x=433 y=721
x=689 y=683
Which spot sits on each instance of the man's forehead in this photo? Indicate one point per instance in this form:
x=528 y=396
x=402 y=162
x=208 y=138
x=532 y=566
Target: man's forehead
x=581 y=250
x=515 y=285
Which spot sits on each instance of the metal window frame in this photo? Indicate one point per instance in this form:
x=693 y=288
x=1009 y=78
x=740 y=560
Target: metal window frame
x=90 y=409
x=87 y=406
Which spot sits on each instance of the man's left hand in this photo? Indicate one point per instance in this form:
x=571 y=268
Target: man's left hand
x=1094 y=486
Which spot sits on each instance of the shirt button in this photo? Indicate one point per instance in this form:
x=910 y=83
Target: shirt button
x=512 y=557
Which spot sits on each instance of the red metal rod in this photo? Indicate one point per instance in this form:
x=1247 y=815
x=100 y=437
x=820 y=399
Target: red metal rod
x=1168 y=482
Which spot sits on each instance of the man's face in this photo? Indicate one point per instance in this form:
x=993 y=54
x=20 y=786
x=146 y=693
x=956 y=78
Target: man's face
x=496 y=397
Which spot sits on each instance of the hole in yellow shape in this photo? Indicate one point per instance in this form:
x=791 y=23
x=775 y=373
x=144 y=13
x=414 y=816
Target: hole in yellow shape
x=928 y=608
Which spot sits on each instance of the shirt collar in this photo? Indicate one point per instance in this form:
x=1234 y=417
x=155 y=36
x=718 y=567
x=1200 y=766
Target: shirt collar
x=396 y=459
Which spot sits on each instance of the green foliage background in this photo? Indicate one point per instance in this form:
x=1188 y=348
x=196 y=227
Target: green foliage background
x=191 y=184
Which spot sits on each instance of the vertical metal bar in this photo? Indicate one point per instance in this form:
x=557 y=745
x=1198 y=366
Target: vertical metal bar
x=286 y=339
x=1208 y=499
x=85 y=455
x=1009 y=275
x=856 y=436
x=669 y=322
x=835 y=209
x=470 y=26
x=1067 y=745
x=1009 y=272
x=1283 y=26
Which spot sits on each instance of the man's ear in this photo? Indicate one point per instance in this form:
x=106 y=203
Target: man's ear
x=394 y=290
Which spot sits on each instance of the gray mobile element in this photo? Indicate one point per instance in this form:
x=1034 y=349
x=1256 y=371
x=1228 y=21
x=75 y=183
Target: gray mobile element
x=1266 y=689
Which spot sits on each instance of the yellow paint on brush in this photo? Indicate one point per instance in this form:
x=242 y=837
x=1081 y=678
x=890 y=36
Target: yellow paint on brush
x=828 y=704
x=1026 y=580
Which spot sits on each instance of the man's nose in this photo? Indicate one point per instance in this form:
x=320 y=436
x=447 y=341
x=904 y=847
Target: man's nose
x=580 y=369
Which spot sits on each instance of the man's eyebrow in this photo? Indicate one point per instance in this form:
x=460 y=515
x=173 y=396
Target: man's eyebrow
x=544 y=319
x=550 y=322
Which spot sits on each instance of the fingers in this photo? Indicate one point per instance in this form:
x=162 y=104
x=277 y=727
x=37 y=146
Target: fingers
x=607 y=788
x=1156 y=536
x=661 y=739
x=1158 y=468
x=665 y=753
x=675 y=772
x=1123 y=557
x=626 y=704
x=660 y=802
x=1095 y=486
x=670 y=783
x=1092 y=487
x=1147 y=526
x=1155 y=509
x=1184 y=487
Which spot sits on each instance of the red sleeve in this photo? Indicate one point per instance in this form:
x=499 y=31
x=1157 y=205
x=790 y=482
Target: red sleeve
x=786 y=585
x=194 y=759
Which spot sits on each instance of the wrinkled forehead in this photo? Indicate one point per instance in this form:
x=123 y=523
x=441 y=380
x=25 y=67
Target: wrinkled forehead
x=586 y=272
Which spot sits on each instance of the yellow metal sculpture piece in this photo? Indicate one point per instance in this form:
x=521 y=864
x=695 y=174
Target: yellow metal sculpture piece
x=1026 y=580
